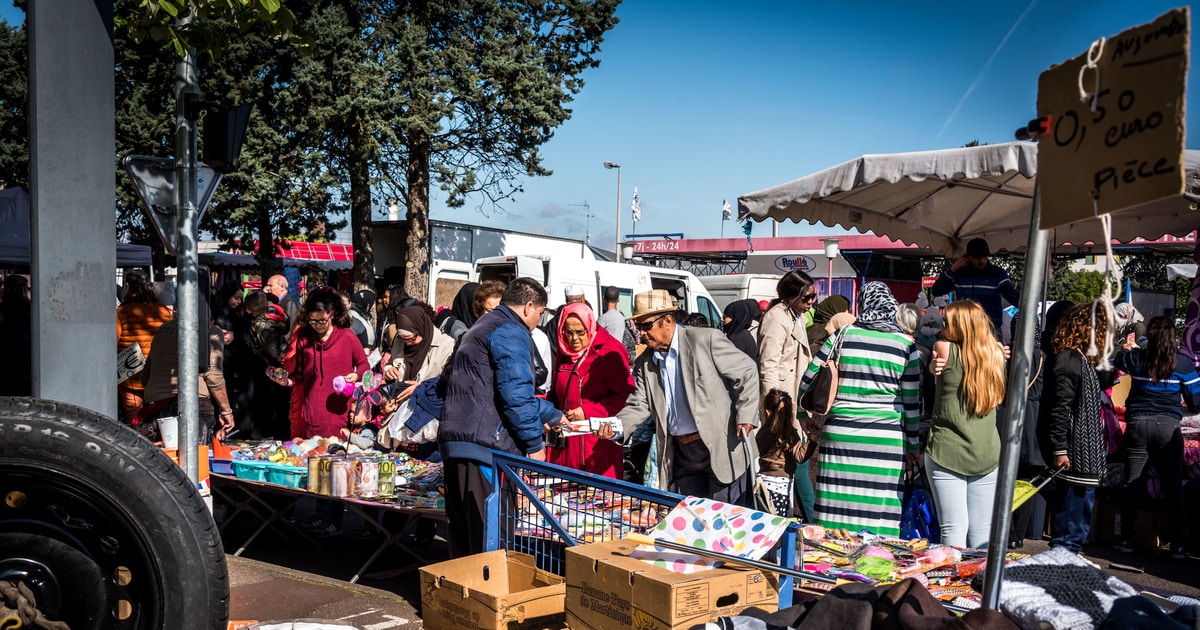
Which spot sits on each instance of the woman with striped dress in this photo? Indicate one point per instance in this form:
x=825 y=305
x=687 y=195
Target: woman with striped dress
x=871 y=431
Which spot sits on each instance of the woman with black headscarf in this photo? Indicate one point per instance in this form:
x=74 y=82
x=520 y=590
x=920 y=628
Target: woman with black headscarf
x=739 y=316
x=871 y=431
x=462 y=313
x=829 y=315
x=425 y=352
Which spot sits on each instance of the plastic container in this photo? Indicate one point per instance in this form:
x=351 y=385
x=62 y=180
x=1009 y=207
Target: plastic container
x=290 y=476
x=221 y=466
x=248 y=469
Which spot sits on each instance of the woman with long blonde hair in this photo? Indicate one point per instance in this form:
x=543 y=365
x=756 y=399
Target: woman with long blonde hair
x=963 y=453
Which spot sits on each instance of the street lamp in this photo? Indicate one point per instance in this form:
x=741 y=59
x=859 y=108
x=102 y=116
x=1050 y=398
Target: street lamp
x=831 y=252
x=617 y=249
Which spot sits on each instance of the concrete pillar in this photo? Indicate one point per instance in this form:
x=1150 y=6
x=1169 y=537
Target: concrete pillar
x=73 y=186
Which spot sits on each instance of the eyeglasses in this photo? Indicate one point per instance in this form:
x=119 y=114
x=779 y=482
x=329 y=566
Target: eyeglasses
x=807 y=298
x=575 y=333
x=318 y=322
x=646 y=326
x=406 y=339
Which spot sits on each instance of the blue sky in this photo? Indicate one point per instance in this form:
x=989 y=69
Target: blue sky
x=702 y=101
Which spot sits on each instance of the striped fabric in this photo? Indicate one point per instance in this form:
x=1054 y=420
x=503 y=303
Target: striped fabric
x=874 y=418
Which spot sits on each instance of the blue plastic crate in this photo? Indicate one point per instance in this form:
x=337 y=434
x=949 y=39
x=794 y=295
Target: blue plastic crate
x=221 y=466
x=250 y=469
x=290 y=476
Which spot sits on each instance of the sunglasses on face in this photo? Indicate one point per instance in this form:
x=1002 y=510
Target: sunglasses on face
x=807 y=298
x=647 y=325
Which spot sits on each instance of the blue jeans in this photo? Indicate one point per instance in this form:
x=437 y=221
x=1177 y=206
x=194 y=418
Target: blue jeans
x=964 y=504
x=1070 y=515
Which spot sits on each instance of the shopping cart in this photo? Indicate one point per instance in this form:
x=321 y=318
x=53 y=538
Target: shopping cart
x=541 y=509
x=1024 y=490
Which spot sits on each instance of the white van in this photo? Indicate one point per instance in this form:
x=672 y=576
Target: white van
x=446 y=277
x=739 y=286
x=557 y=272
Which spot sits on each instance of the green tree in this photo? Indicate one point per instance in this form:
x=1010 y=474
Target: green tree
x=14 y=146
x=281 y=186
x=483 y=86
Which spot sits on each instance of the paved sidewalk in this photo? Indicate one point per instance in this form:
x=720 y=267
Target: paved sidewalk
x=268 y=592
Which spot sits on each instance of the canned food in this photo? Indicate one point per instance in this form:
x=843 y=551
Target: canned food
x=342 y=484
x=387 y=477
x=325 y=475
x=314 y=473
x=366 y=484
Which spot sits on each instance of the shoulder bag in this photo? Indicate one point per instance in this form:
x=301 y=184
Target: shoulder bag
x=819 y=397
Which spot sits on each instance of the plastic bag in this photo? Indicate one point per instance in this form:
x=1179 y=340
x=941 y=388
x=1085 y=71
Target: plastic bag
x=919 y=519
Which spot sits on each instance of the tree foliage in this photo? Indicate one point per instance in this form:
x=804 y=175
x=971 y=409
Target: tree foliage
x=210 y=25
x=14 y=145
x=390 y=98
x=458 y=94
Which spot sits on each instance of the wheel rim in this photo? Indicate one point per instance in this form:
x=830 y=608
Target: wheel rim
x=84 y=556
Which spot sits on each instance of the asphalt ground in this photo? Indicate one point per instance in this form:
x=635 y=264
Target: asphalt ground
x=280 y=578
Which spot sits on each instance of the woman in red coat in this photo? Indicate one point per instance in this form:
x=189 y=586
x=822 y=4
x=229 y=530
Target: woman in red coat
x=591 y=380
x=325 y=348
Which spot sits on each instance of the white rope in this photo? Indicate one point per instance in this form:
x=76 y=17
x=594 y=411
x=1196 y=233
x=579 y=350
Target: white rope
x=1112 y=277
x=1095 y=51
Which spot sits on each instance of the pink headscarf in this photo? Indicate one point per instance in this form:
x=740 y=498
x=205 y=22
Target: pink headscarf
x=585 y=315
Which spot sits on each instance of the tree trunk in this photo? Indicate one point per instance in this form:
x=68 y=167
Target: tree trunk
x=266 y=247
x=362 y=236
x=416 y=271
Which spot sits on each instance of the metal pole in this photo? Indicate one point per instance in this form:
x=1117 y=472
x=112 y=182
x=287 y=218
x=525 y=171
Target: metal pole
x=1014 y=405
x=618 y=248
x=186 y=257
x=829 y=281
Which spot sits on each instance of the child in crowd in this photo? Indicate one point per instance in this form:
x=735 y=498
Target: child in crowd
x=373 y=404
x=781 y=446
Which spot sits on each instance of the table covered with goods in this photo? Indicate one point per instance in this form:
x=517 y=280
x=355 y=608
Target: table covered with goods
x=265 y=480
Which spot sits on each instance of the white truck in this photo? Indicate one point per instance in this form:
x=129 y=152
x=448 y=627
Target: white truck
x=557 y=272
x=739 y=286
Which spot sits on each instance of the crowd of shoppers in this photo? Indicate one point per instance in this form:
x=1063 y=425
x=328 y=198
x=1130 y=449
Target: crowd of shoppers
x=721 y=406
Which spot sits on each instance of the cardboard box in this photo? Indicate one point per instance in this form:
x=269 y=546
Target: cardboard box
x=201 y=461
x=1106 y=526
x=489 y=591
x=607 y=589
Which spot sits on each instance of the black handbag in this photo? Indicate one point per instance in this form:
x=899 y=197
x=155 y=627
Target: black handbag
x=820 y=395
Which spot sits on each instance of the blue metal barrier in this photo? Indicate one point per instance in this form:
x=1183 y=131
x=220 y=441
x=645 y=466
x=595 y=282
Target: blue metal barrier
x=541 y=509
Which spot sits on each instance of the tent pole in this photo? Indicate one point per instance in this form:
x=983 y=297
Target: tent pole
x=1015 y=405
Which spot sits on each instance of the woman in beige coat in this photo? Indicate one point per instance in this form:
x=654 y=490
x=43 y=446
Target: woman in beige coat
x=784 y=355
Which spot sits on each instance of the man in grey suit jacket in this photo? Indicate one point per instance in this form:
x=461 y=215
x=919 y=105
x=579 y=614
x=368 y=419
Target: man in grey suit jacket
x=703 y=395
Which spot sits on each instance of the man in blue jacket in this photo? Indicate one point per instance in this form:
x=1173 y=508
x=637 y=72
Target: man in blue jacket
x=490 y=404
x=972 y=276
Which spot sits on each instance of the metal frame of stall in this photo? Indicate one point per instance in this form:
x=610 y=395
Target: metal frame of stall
x=521 y=513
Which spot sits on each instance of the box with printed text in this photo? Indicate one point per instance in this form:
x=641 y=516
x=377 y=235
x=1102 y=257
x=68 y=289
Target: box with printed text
x=608 y=589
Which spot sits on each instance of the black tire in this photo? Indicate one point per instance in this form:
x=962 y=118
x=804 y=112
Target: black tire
x=83 y=496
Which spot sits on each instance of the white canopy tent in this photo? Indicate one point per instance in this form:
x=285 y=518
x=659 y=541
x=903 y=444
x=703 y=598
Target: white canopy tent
x=942 y=199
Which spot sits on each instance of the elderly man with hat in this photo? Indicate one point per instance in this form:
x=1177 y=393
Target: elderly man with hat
x=703 y=395
x=973 y=276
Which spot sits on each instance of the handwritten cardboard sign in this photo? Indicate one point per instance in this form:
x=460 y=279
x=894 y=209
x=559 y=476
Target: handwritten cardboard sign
x=1124 y=146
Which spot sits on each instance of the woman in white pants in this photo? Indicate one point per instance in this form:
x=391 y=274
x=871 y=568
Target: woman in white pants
x=963 y=452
